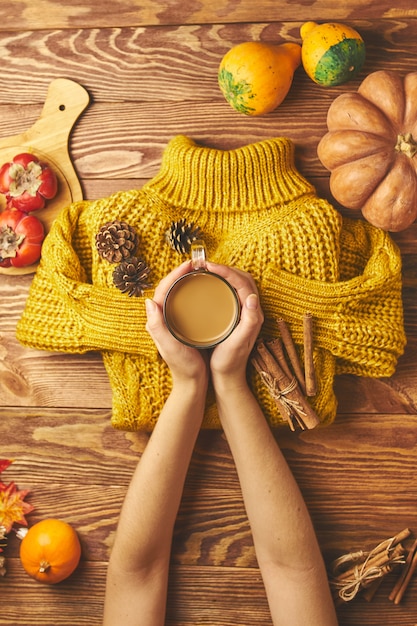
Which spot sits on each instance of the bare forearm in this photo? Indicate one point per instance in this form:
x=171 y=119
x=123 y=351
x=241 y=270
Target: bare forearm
x=137 y=576
x=152 y=501
x=286 y=546
x=280 y=522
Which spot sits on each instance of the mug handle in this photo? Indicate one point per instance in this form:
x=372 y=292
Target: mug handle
x=198 y=255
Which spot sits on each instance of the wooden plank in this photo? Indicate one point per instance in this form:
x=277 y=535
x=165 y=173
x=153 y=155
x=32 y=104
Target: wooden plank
x=215 y=595
x=22 y=15
x=108 y=146
x=131 y=145
x=172 y=63
x=105 y=145
x=42 y=378
x=198 y=588
x=78 y=600
x=78 y=468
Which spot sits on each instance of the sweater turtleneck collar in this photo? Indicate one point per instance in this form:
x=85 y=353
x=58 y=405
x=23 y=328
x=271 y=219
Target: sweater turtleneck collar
x=253 y=177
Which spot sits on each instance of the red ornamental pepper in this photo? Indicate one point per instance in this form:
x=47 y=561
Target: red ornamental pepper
x=27 y=182
x=21 y=237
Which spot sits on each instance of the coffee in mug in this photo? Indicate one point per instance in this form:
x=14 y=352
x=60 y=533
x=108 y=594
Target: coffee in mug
x=201 y=308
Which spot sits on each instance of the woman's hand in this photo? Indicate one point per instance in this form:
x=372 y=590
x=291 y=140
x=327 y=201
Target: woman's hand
x=229 y=358
x=184 y=362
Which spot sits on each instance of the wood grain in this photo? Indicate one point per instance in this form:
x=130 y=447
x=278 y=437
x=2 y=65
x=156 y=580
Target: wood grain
x=150 y=69
x=24 y=15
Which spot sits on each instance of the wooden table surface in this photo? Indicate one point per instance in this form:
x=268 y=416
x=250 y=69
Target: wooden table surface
x=150 y=67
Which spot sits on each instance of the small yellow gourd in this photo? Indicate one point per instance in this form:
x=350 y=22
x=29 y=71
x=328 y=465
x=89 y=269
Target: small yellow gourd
x=255 y=77
x=331 y=53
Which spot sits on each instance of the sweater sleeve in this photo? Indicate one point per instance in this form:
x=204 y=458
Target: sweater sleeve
x=66 y=312
x=359 y=320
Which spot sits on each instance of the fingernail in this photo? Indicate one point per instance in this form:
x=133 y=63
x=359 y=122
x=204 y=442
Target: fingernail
x=252 y=301
x=150 y=306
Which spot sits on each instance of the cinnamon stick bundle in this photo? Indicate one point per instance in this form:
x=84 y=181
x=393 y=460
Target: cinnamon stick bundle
x=283 y=387
x=358 y=571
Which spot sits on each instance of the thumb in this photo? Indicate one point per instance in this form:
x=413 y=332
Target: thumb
x=252 y=302
x=153 y=315
x=251 y=319
x=251 y=311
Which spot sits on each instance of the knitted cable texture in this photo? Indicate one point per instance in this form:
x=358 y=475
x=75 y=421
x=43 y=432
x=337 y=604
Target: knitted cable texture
x=256 y=212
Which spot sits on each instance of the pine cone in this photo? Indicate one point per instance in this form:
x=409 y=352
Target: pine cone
x=116 y=241
x=181 y=235
x=131 y=276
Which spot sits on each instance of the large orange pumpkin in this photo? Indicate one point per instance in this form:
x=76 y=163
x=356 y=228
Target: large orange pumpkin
x=371 y=149
x=50 y=551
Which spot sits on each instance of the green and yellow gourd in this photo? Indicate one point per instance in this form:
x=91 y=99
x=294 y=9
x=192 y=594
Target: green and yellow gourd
x=255 y=77
x=331 y=53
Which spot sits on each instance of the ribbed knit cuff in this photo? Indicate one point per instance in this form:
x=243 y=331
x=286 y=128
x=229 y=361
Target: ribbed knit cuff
x=359 y=321
x=114 y=322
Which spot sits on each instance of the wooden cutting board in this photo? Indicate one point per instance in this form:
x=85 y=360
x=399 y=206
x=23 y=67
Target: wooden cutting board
x=48 y=140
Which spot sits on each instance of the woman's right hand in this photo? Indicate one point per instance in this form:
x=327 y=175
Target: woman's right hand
x=185 y=363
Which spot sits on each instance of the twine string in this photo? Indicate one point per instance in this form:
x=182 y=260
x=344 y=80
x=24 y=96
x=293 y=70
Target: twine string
x=281 y=395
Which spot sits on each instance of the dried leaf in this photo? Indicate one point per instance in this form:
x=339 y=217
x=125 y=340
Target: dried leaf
x=4 y=464
x=12 y=506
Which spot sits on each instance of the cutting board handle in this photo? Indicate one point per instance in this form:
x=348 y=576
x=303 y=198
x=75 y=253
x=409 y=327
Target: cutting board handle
x=65 y=102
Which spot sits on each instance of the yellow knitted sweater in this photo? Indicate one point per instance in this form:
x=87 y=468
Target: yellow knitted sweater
x=256 y=212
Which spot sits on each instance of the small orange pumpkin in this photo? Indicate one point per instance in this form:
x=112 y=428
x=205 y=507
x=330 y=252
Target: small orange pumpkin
x=50 y=551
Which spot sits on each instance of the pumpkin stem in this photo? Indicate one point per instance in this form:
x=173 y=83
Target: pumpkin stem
x=407 y=145
x=44 y=566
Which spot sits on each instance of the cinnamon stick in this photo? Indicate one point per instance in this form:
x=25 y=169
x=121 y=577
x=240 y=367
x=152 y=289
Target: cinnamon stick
x=382 y=547
x=348 y=590
x=289 y=345
x=408 y=577
x=276 y=349
x=371 y=589
x=271 y=366
x=309 y=370
x=403 y=534
x=403 y=581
